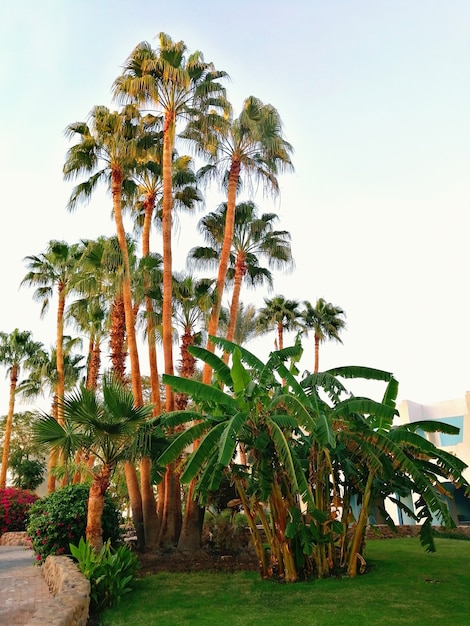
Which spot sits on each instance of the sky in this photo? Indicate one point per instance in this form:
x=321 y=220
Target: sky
x=374 y=96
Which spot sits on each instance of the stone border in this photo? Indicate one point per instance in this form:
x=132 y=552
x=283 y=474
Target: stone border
x=15 y=539
x=70 y=590
x=70 y=599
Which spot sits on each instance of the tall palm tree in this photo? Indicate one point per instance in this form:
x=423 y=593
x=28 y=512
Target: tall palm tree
x=254 y=238
x=89 y=318
x=54 y=270
x=104 y=426
x=112 y=141
x=147 y=287
x=146 y=203
x=42 y=381
x=281 y=314
x=95 y=284
x=246 y=327
x=179 y=86
x=193 y=299
x=252 y=148
x=326 y=320
x=17 y=351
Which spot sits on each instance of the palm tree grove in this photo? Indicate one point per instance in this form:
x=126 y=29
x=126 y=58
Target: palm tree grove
x=154 y=396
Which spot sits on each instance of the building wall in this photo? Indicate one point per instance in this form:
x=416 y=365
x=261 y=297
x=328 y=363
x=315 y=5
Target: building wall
x=454 y=412
x=457 y=413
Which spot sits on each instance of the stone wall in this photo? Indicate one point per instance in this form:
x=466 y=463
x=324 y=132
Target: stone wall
x=70 y=590
x=70 y=599
x=15 y=539
x=411 y=530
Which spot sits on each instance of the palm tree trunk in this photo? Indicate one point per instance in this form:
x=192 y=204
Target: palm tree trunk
x=193 y=520
x=149 y=505
x=240 y=271
x=117 y=338
x=280 y=336
x=188 y=366
x=171 y=519
x=60 y=389
x=135 y=499
x=94 y=527
x=160 y=500
x=171 y=509
x=53 y=454
x=126 y=289
x=60 y=353
x=151 y=340
x=153 y=363
x=317 y=354
x=224 y=260
x=94 y=364
x=167 y=307
x=8 y=426
x=131 y=475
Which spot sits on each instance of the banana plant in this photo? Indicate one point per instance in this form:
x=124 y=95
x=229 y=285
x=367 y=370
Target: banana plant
x=310 y=447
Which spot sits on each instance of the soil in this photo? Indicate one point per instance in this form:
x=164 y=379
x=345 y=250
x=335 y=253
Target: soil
x=198 y=562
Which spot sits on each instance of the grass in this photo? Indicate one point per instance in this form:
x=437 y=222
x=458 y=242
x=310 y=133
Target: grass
x=405 y=585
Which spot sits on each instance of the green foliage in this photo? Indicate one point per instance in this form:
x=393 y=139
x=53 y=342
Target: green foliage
x=60 y=518
x=451 y=533
x=226 y=532
x=306 y=443
x=27 y=458
x=110 y=571
x=28 y=473
x=404 y=585
x=15 y=505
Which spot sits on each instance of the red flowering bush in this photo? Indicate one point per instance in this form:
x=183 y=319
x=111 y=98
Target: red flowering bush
x=14 y=508
x=59 y=519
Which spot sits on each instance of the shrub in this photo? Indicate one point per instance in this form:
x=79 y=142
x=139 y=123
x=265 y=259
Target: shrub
x=27 y=473
x=225 y=533
x=59 y=519
x=14 y=507
x=109 y=571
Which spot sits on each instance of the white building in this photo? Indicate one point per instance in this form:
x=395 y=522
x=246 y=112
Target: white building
x=456 y=413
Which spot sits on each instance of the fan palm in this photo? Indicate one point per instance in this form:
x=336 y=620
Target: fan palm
x=106 y=427
x=113 y=141
x=281 y=314
x=109 y=141
x=179 y=86
x=246 y=327
x=52 y=270
x=146 y=208
x=254 y=238
x=326 y=320
x=18 y=352
x=249 y=148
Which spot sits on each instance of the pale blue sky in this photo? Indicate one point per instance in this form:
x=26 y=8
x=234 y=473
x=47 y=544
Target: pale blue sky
x=374 y=96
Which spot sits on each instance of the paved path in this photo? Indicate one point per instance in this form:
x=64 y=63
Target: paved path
x=22 y=586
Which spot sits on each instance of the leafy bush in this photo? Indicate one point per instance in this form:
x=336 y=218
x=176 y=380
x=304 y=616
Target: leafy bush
x=109 y=571
x=14 y=507
x=59 y=519
x=27 y=473
x=225 y=533
x=450 y=533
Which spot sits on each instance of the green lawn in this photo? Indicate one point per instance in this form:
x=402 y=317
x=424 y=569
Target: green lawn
x=406 y=585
